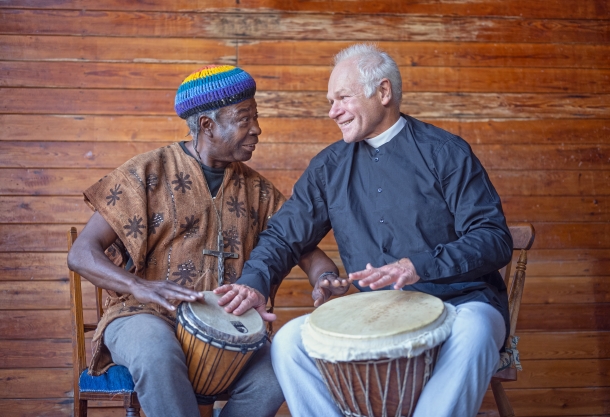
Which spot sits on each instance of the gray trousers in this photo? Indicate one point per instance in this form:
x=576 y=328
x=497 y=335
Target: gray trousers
x=148 y=347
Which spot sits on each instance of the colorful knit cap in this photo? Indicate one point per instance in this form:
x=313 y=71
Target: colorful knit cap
x=213 y=87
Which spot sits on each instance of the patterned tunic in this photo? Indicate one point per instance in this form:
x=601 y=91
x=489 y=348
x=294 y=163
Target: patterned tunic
x=159 y=205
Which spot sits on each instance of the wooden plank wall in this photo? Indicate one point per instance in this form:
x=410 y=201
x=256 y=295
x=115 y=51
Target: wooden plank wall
x=86 y=84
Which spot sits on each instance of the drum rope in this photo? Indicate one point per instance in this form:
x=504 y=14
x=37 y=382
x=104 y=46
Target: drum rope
x=403 y=386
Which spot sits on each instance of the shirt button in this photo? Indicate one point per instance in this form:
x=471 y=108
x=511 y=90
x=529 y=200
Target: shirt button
x=385 y=250
x=381 y=221
x=379 y=190
x=376 y=150
x=376 y=159
x=426 y=274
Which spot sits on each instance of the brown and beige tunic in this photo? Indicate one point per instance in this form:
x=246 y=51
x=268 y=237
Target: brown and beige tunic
x=159 y=205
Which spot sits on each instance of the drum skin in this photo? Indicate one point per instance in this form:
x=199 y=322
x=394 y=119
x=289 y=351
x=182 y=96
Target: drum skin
x=217 y=345
x=376 y=350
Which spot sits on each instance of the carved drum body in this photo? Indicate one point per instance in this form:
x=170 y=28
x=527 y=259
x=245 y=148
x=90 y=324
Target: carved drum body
x=217 y=344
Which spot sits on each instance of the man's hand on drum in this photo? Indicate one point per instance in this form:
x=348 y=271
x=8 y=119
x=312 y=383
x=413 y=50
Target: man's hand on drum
x=238 y=299
x=328 y=284
x=399 y=273
x=166 y=293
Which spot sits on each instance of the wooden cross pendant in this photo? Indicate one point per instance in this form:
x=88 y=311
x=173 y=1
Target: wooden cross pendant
x=221 y=255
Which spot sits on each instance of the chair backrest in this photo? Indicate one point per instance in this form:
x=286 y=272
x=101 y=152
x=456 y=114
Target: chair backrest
x=523 y=237
x=78 y=323
x=79 y=358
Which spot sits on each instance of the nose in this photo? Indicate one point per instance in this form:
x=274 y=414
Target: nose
x=256 y=128
x=335 y=110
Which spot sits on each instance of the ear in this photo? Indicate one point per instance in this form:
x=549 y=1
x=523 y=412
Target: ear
x=385 y=91
x=206 y=125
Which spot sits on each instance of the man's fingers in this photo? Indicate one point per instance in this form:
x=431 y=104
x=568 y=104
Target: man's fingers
x=265 y=315
x=382 y=282
x=223 y=289
x=373 y=277
x=235 y=304
x=404 y=279
x=319 y=296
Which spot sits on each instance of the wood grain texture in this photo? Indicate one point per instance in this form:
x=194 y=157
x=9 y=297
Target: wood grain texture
x=33 y=266
x=549 y=209
x=580 y=373
x=47 y=407
x=551 y=290
x=584 y=9
x=166 y=129
x=553 y=263
x=555 y=401
x=307 y=104
x=40 y=353
x=87 y=84
x=301 y=26
x=303 y=52
x=50 y=154
x=532 y=317
x=564 y=345
x=61 y=181
x=564 y=317
x=49 y=237
x=49 y=382
x=432 y=54
x=37 y=324
x=566 y=262
x=115 y=49
x=303 y=78
x=57 y=353
x=75 y=181
x=296 y=292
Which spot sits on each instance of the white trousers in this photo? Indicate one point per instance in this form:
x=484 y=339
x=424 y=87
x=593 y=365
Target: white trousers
x=466 y=363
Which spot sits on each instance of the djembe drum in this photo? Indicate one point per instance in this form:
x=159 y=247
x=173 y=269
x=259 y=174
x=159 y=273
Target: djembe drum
x=376 y=350
x=217 y=344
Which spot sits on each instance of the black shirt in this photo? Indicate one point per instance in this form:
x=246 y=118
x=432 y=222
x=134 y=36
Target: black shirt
x=424 y=196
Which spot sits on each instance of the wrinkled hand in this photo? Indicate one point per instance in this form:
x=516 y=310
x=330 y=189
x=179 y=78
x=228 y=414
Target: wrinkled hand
x=166 y=293
x=400 y=273
x=238 y=299
x=327 y=286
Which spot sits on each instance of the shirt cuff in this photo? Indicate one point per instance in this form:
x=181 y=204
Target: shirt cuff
x=256 y=282
x=424 y=265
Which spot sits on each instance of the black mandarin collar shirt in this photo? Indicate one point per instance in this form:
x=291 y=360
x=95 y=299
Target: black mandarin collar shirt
x=424 y=196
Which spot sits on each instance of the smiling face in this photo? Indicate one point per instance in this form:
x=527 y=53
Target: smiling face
x=233 y=137
x=357 y=116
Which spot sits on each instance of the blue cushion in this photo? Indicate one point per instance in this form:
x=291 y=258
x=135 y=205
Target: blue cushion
x=117 y=380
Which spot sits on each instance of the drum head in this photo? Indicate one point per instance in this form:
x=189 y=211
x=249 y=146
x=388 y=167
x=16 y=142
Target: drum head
x=377 y=324
x=377 y=314
x=212 y=320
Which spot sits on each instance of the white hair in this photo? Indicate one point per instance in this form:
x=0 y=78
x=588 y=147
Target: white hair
x=193 y=124
x=374 y=65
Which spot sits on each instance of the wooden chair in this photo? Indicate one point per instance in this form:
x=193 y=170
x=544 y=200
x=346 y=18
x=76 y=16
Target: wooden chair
x=523 y=238
x=112 y=386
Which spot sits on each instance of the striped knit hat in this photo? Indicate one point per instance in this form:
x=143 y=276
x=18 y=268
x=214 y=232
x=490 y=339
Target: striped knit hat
x=213 y=87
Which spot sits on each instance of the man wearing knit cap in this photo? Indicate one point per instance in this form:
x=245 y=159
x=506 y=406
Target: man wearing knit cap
x=154 y=218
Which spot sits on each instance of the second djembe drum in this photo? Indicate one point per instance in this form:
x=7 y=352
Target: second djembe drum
x=376 y=350
x=217 y=344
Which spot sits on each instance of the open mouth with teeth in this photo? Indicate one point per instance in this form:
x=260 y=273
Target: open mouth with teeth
x=343 y=124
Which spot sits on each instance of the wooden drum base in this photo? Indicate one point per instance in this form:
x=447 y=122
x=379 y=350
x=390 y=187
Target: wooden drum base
x=378 y=388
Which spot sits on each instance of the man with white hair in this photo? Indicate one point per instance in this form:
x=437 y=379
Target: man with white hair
x=411 y=208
